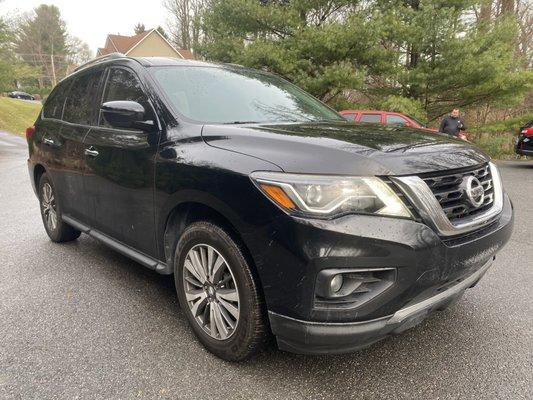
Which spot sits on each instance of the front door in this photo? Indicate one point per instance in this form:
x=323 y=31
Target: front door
x=120 y=169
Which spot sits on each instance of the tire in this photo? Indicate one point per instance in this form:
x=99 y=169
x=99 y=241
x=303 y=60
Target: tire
x=57 y=230
x=224 y=283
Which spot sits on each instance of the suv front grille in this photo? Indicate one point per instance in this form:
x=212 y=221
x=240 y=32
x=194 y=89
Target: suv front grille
x=450 y=193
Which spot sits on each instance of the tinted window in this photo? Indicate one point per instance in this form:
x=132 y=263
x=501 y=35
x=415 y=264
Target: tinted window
x=349 y=116
x=396 y=120
x=234 y=94
x=53 y=108
x=79 y=107
x=122 y=84
x=374 y=118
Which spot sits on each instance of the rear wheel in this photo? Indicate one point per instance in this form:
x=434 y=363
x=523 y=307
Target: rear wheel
x=57 y=230
x=218 y=292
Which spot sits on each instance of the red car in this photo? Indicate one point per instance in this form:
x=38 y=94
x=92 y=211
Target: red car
x=384 y=117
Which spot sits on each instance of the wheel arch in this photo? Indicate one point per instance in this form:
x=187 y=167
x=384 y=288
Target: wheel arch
x=38 y=171
x=184 y=214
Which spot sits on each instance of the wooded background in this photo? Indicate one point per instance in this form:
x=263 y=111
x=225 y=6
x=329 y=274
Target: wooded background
x=420 y=57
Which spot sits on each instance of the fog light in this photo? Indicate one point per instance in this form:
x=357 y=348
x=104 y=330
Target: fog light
x=336 y=283
x=343 y=288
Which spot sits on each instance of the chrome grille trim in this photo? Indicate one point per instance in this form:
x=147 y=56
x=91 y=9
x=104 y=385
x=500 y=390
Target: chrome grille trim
x=448 y=190
x=423 y=199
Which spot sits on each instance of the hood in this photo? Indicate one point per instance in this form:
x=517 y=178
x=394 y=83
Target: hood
x=345 y=148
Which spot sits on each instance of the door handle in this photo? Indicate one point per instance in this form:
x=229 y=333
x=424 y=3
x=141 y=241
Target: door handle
x=49 y=142
x=91 y=151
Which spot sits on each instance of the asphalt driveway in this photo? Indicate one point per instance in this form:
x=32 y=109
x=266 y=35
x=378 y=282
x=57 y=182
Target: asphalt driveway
x=78 y=320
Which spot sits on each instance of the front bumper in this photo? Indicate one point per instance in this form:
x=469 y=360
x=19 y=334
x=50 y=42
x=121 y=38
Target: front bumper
x=524 y=152
x=290 y=253
x=306 y=337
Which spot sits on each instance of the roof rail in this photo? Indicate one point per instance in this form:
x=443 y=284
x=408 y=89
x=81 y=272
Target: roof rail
x=97 y=60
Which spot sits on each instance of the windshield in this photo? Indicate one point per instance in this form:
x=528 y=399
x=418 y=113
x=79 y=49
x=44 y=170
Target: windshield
x=237 y=95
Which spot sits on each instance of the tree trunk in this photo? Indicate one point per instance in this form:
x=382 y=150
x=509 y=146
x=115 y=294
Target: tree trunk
x=485 y=11
x=507 y=7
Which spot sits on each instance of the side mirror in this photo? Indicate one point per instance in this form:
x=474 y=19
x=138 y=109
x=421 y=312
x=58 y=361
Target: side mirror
x=126 y=114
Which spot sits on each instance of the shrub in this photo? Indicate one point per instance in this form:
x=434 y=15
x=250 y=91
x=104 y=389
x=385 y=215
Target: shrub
x=511 y=125
x=497 y=146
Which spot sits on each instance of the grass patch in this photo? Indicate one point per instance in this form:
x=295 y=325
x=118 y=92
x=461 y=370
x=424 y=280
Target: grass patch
x=16 y=115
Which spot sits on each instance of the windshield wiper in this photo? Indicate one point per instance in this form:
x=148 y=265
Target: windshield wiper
x=329 y=120
x=240 y=122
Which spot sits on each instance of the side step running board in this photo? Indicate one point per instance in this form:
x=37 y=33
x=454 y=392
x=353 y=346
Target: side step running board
x=128 y=251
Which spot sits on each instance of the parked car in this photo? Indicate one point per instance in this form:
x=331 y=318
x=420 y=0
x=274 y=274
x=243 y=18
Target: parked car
x=273 y=213
x=21 y=95
x=384 y=117
x=524 y=144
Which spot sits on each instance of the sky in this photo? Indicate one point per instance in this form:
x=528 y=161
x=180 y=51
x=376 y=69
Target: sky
x=93 y=20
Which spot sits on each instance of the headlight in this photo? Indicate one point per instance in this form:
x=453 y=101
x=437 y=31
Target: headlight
x=328 y=196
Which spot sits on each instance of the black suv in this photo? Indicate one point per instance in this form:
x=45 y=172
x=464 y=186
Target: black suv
x=524 y=143
x=275 y=215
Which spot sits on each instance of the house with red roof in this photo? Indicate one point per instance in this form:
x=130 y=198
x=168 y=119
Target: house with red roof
x=149 y=43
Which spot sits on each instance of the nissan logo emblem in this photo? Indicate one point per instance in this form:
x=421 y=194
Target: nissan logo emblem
x=474 y=191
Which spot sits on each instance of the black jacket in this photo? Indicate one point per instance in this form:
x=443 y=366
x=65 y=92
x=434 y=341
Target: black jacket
x=452 y=125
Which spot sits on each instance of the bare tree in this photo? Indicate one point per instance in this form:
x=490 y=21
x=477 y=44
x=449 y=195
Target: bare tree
x=524 y=13
x=485 y=11
x=78 y=51
x=184 y=23
x=507 y=6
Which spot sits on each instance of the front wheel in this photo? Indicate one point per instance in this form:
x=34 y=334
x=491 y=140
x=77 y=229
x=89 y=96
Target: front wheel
x=218 y=292
x=57 y=230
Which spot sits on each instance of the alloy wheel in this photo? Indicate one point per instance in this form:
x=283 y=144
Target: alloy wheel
x=211 y=291
x=49 y=206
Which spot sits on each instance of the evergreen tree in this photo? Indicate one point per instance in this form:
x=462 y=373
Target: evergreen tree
x=431 y=52
x=41 y=40
x=12 y=69
x=139 y=28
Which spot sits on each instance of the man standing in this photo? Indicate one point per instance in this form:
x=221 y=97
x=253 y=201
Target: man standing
x=453 y=124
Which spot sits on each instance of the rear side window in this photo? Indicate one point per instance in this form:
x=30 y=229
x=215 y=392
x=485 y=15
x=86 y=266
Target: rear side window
x=79 y=107
x=374 y=118
x=396 y=120
x=53 y=108
x=122 y=84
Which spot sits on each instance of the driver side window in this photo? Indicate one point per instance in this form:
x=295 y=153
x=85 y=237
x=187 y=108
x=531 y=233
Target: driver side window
x=122 y=84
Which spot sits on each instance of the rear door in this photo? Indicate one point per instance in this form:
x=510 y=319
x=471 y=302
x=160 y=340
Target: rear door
x=78 y=116
x=120 y=168
x=49 y=149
